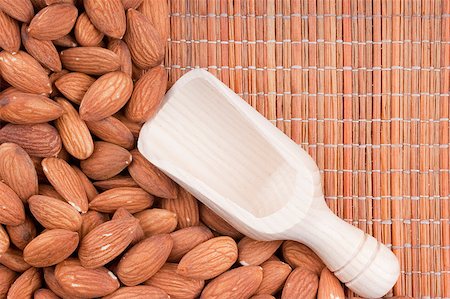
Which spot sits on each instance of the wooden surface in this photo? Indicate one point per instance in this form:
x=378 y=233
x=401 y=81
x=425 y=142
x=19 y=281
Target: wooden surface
x=363 y=86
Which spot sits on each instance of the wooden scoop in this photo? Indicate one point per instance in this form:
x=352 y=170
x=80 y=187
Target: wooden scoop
x=236 y=162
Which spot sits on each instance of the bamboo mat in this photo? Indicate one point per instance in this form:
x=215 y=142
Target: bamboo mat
x=363 y=86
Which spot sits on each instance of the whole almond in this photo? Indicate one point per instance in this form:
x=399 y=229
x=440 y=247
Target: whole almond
x=74 y=85
x=157 y=221
x=53 y=21
x=67 y=41
x=275 y=274
x=144 y=259
x=90 y=60
x=74 y=132
x=85 y=32
x=50 y=247
x=91 y=220
x=121 y=49
x=150 y=178
x=175 y=285
x=138 y=292
x=112 y=130
x=329 y=286
x=21 y=10
x=4 y=241
x=186 y=208
x=216 y=223
x=108 y=16
x=24 y=72
x=28 y=108
x=253 y=252
x=17 y=170
x=48 y=190
x=122 y=213
x=147 y=95
x=66 y=181
x=131 y=4
x=22 y=234
x=106 y=96
x=9 y=33
x=45 y=294
x=12 y=211
x=105 y=242
x=158 y=13
x=134 y=127
x=209 y=259
x=117 y=181
x=25 y=285
x=299 y=255
x=7 y=277
x=132 y=199
x=89 y=188
x=53 y=284
x=145 y=44
x=106 y=161
x=240 y=282
x=53 y=213
x=301 y=283
x=186 y=239
x=78 y=281
x=13 y=259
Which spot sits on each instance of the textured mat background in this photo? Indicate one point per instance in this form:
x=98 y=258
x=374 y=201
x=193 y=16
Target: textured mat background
x=363 y=86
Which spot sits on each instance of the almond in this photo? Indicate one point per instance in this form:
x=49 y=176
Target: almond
x=26 y=284
x=67 y=41
x=90 y=60
x=216 y=223
x=4 y=241
x=106 y=96
x=121 y=49
x=138 y=292
x=85 y=32
x=145 y=44
x=91 y=192
x=53 y=213
x=53 y=284
x=299 y=255
x=329 y=286
x=186 y=208
x=253 y=252
x=74 y=85
x=157 y=221
x=240 y=282
x=48 y=190
x=22 y=234
x=150 y=178
x=132 y=199
x=105 y=242
x=9 y=33
x=108 y=16
x=50 y=247
x=41 y=140
x=53 y=21
x=21 y=10
x=186 y=239
x=78 y=281
x=301 y=283
x=91 y=220
x=112 y=130
x=117 y=181
x=263 y=296
x=275 y=274
x=12 y=211
x=17 y=170
x=45 y=294
x=53 y=77
x=134 y=127
x=107 y=161
x=122 y=213
x=24 y=72
x=175 y=285
x=43 y=51
x=158 y=13
x=66 y=181
x=27 y=108
x=13 y=259
x=7 y=277
x=74 y=132
x=131 y=4
x=209 y=259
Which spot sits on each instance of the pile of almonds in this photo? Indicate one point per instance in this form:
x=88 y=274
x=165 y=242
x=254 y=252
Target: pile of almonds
x=83 y=214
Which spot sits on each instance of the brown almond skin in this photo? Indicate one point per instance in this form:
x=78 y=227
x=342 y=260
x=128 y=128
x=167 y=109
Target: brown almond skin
x=48 y=190
x=22 y=234
x=145 y=44
x=132 y=199
x=91 y=220
x=112 y=130
x=24 y=72
x=91 y=191
x=66 y=181
x=122 y=213
x=150 y=178
x=50 y=247
x=105 y=242
x=45 y=294
x=216 y=223
x=134 y=127
x=106 y=161
x=53 y=21
x=4 y=241
x=74 y=85
x=67 y=41
x=240 y=282
x=119 y=47
x=175 y=285
x=17 y=170
x=85 y=32
x=254 y=252
x=117 y=181
x=13 y=259
x=144 y=259
x=12 y=211
x=21 y=10
x=7 y=277
x=90 y=60
x=275 y=274
x=147 y=95
x=53 y=213
x=209 y=259
x=186 y=208
x=329 y=286
x=53 y=284
x=138 y=292
x=9 y=33
x=299 y=255
x=78 y=281
x=106 y=96
x=74 y=132
x=157 y=221
x=26 y=284
x=301 y=283
x=186 y=239
x=158 y=13
x=108 y=16
x=53 y=77
x=131 y=4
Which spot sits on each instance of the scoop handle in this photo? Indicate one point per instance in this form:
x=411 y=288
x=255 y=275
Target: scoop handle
x=365 y=265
